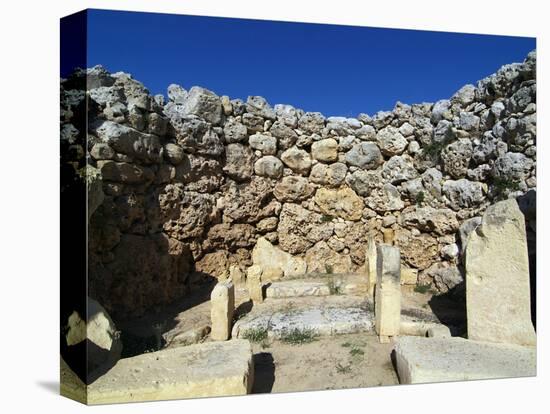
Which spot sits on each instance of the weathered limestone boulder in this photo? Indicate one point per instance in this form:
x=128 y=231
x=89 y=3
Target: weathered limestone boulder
x=512 y=166
x=222 y=302
x=234 y=132
x=428 y=219
x=365 y=182
x=445 y=276
x=365 y=155
x=239 y=162
x=463 y=193
x=428 y=360
x=285 y=135
x=269 y=166
x=399 y=168
x=293 y=188
x=325 y=150
x=417 y=250
x=332 y=175
x=203 y=103
x=497 y=278
x=299 y=229
x=312 y=122
x=266 y=144
x=297 y=159
x=391 y=141
x=94 y=188
x=173 y=153
x=176 y=93
x=342 y=203
x=266 y=256
x=250 y=202
x=287 y=114
x=199 y=173
x=197 y=136
x=210 y=369
x=129 y=141
x=385 y=199
x=387 y=303
x=103 y=345
x=456 y=157
x=321 y=258
x=258 y=105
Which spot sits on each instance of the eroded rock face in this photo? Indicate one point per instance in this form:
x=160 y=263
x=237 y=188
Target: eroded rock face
x=267 y=256
x=212 y=174
x=321 y=258
x=342 y=203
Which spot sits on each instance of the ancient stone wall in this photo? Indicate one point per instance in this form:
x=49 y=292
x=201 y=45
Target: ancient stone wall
x=191 y=184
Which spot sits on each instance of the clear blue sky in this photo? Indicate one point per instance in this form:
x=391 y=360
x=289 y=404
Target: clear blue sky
x=337 y=70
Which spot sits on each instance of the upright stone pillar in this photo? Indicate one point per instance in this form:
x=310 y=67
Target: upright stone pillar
x=222 y=302
x=254 y=283
x=387 y=302
x=371 y=263
x=497 y=278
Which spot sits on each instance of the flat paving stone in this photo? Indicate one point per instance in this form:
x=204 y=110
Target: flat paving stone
x=424 y=360
x=209 y=369
x=319 y=321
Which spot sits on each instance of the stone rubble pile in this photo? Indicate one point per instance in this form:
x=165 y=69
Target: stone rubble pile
x=191 y=184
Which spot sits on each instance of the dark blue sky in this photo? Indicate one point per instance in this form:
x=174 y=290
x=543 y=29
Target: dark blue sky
x=337 y=70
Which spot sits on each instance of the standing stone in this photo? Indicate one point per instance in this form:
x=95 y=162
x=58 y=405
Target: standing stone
x=387 y=304
x=371 y=263
x=222 y=301
x=497 y=278
x=254 y=283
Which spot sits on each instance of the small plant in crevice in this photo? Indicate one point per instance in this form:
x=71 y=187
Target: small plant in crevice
x=329 y=269
x=501 y=187
x=356 y=352
x=420 y=198
x=424 y=288
x=298 y=336
x=256 y=334
x=343 y=369
x=326 y=218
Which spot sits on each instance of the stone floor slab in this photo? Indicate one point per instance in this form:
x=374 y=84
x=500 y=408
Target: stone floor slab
x=424 y=360
x=202 y=370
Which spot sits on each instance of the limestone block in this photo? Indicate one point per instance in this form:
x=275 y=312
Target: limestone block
x=439 y=331
x=222 y=301
x=254 y=283
x=209 y=369
x=371 y=264
x=422 y=360
x=497 y=278
x=236 y=275
x=409 y=276
x=267 y=256
x=388 y=235
x=387 y=304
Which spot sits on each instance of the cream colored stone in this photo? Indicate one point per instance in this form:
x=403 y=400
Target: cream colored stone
x=236 y=275
x=222 y=302
x=267 y=256
x=344 y=203
x=254 y=283
x=387 y=304
x=409 y=276
x=388 y=235
x=209 y=369
x=423 y=360
x=272 y=274
x=371 y=263
x=497 y=278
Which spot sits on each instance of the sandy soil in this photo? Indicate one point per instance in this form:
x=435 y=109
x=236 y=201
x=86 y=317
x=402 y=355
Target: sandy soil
x=344 y=361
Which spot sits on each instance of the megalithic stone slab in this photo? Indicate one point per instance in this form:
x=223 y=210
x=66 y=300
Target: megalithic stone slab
x=387 y=300
x=211 y=369
x=222 y=301
x=254 y=283
x=422 y=360
x=371 y=263
x=497 y=278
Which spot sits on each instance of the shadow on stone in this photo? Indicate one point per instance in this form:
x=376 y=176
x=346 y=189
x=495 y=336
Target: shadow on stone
x=450 y=309
x=264 y=373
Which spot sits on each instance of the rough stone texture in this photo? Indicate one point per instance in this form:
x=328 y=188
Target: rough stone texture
x=222 y=302
x=497 y=278
x=173 y=172
x=428 y=360
x=293 y=289
x=203 y=370
x=342 y=203
x=254 y=284
x=371 y=256
x=267 y=256
x=387 y=304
